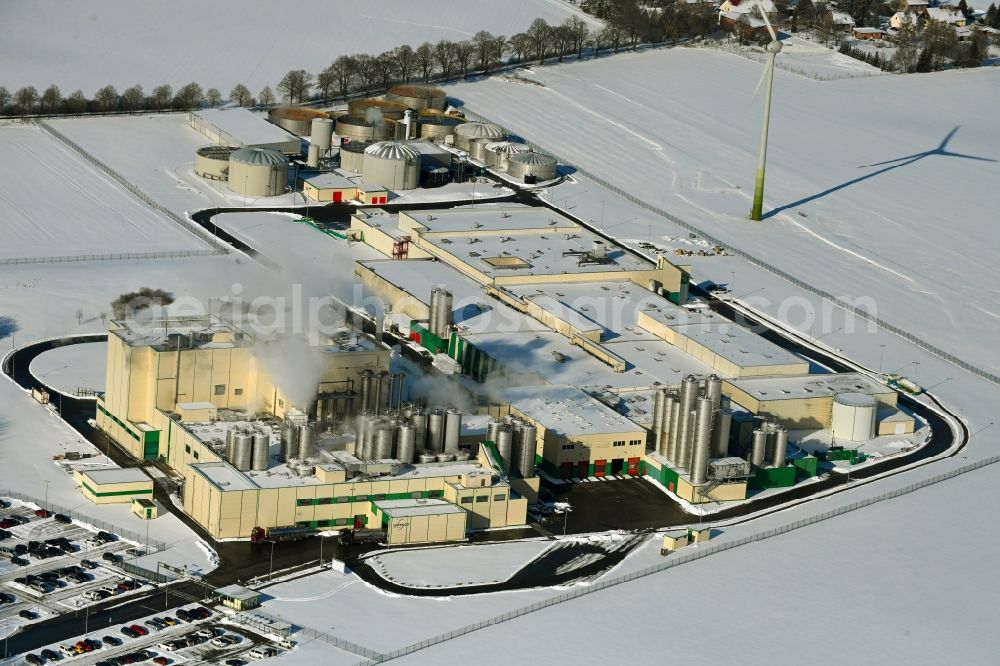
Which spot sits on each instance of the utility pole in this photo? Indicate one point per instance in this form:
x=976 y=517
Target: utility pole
x=270 y=571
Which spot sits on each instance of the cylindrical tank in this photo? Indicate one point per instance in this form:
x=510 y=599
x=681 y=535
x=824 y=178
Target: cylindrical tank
x=758 y=447
x=360 y=128
x=367 y=377
x=673 y=437
x=498 y=152
x=853 y=417
x=419 y=421
x=685 y=430
x=294 y=119
x=446 y=457
x=780 y=447
x=321 y=133
x=443 y=322
x=477 y=149
x=400 y=389
x=416 y=97
x=452 y=429
x=659 y=408
x=426 y=458
x=529 y=444
x=261 y=451
x=702 y=441
x=505 y=444
x=492 y=428
x=368 y=443
x=258 y=172
x=685 y=440
x=468 y=132
x=378 y=402
x=307 y=441
x=352 y=157
x=383 y=441
x=391 y=110
x=720 y=433
x=437 y=126
x=230 y=444
x=655 y=286
x=435 y=431
x=289 y=440
x=435 y=305
x=713 y=389
x=406 y=443
x=212 y=162
x=322 y=415
x=532 y=166
x=312 y=158
x=393 y=165
x=663 y=445
x=243 y=452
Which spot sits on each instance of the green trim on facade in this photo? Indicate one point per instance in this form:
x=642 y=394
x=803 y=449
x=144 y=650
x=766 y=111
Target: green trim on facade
x=117 y=493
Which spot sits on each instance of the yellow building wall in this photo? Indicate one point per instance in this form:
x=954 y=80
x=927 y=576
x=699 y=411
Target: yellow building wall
x=113 y=493
x=726 y=492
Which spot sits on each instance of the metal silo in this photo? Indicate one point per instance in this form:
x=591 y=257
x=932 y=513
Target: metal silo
x=780 y=447
x=307 y=441
x=853 y=416
x=427 y=458
x=713 y=389
x=289 y=440
x=442 y=323
x=674 y=434
x=367 y=377
x=531 y=167
x=758 y=447
x=720 y=433
x=417 y=97
x=383 y=440
x=668 y=414
x=437 y=126
x=212 y=162
x=295 y=119
x=498 y=153
x=477 y=149
x=406 y=443
x=352 y=157
x=435 y=431
x=368 y=443
x=419 y=421
x=390 y=110
x=468 y=132
x=529 y=445
x=261 y=451
x=392 y=165
x=505 y=444
x=491 y=431
x=659 y=417
x=258 y=172
x=702 y=441
x=361 y=128
x=230 y=444
x=243 y=452
x=435 y=305
x=452 y=430
x=321 y=134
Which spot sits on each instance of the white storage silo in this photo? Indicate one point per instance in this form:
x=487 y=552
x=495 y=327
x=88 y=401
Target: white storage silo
x=531 y=167
x=468 y=132
x=497 y=152
x=392 y=165
x=853 y=417
x=258 y=172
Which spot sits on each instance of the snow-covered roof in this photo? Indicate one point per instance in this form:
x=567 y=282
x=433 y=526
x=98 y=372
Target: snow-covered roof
x=392 y=150
x=841 y=18
x=945 y=14
x=481 y=131
x=869 y=31
x=329 y=181
x=416 y=507
x=747 y=7
x=568 y=411
x=809 y=386
x=247 y=127
x=116 y=475
x=258 y=156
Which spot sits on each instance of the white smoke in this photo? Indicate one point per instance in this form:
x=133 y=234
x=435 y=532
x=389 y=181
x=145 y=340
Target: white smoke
x=373 y=115
x=294 y=366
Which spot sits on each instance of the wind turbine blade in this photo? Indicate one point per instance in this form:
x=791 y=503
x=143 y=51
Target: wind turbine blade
x=767 y=22
x=760 y=82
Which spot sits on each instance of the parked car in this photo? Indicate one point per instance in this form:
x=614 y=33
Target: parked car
x=135 y=552
x=93 y=643
x=20 y=549
x=90 y=564
x=19 y=561
x=63 y=518
x=67 y=650
x=106 y=536
x=182 y=614
x=162 y=661
x=112 y=641
x=7 y=523
x=235 y=662
x=50 y=655
x=33 y=659
x=28 y=615
x=111 y=557
x=7 y=598
x=142 y=631
x=169 y=621
x=262 y=652
x=42 y=513
x=130 y=632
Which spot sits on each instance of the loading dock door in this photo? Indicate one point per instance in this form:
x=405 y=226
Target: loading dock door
x=583 y=469
x=599 y=468
x=338 y=196
x=633 y=466
x=616 y=465
x=566 y=470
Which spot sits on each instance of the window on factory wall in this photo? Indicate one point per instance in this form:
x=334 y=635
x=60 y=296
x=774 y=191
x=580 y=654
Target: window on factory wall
x=434 y=493
x=187 y=448
x=303 y=502
x=220 y=389
x=237 y=391
x=635 y=442
x=466 y=500
x=483 y=498
x=499 y=498
x=281 y=403
x=568 y=447
x=620 y=442
x=343 y=500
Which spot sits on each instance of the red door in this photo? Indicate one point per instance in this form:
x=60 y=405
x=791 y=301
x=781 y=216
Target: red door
x=583 y=469
x=338 y=196
x=566 y=470
x=599 y=468
x=670 y=486
x=633 y=466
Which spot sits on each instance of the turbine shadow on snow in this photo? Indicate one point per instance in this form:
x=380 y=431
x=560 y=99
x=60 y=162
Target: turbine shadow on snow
x=887 y=165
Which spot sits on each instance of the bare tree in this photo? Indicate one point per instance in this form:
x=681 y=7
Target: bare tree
x=106 y=98
x=295 y=85
x=540 y=37
x=444 y=56
x=133 y=98
x=405 y=61
x=213 y=96
x=424 y=59
x=51 y=99
x=500 y=48
x=24 y=99
x=368 y=72
x=189 y=96
x=4 y=99
x=562 y=42
x=482 y=42
x=241 y=95
x=463 y=53
x=520 y=45
x=578 y=33
x=266 y=96
x=387 y=68
x=344 y=69
x=162 y=96
x=612 y=35
x=907 y=46
x=77 y=102
x=325 y=83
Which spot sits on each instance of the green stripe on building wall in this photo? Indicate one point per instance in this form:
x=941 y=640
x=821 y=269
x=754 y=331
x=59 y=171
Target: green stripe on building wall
x=116 y=493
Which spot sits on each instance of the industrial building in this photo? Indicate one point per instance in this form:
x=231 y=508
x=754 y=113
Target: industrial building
x=242 y=128
x=418 y=97
x=113 y=485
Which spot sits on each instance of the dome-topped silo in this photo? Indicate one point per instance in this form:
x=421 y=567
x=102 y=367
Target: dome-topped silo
x=259 y=172
x=392 y=165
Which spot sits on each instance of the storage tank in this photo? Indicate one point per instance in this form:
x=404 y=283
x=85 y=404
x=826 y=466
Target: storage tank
x=419 y=421
x=853 y=416
x=243 y=452
x=426 y=458
x=477 y=149
x=390 y=110
x=452 y=429
x=289 y=440
x=468 y=132
x=435 y=431
x=498 y=152
x=321 y=133
x=406 y=436
x=713 y=389
x=360 y=128
x=758 y=447
x=531 y=167
x=529 y=444
x=212 y=162
x=446 y=457
x=307 y=441
x=383 y=441
x=702 y=441
x=258 y=172
x=505 y=444
x=417 y=97
x=297 y=120
x=675 y=427
x=392 y=165
x=437 y=126
x=444 y=314
x=230 y=444
x=780 y=447
x=491 y=431
x=367 y=377
x=261 y=451
x=720 y=433
x=352 y=157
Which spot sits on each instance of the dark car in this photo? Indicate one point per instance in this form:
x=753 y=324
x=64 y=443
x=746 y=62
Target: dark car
x=90 y=564
x=50 y=655
x=4 y=534
x=183 y=615
x=28 y=615
x=19 y=561
x=106 y=536
x=111 y=557
x=7 y=598
x=130 y=632
x=112 y=641
x=62 y=518
x=93 y=643
x=235 y=662
x=20 y=549
x=49 y=575
x=33 y=659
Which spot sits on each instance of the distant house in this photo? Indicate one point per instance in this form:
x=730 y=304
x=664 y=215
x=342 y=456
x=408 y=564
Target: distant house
x=914 y=6
x=947 y=15
x=897 y=20
x=749 y=27
x=839 y=21
x=868 y=33
x=748 y=6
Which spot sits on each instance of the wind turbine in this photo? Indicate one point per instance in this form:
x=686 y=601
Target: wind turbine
x=773 y=49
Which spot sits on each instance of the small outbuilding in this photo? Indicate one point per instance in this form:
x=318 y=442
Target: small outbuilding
x=111 y=485
x=869 y=33
x=238 y=597
x=145 y=508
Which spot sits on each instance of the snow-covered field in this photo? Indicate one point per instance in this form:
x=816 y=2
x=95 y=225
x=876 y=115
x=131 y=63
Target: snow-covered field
x=455 y=566
x=871 y=188
x=72 y=367
x=225 y=42
x=57 y=204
